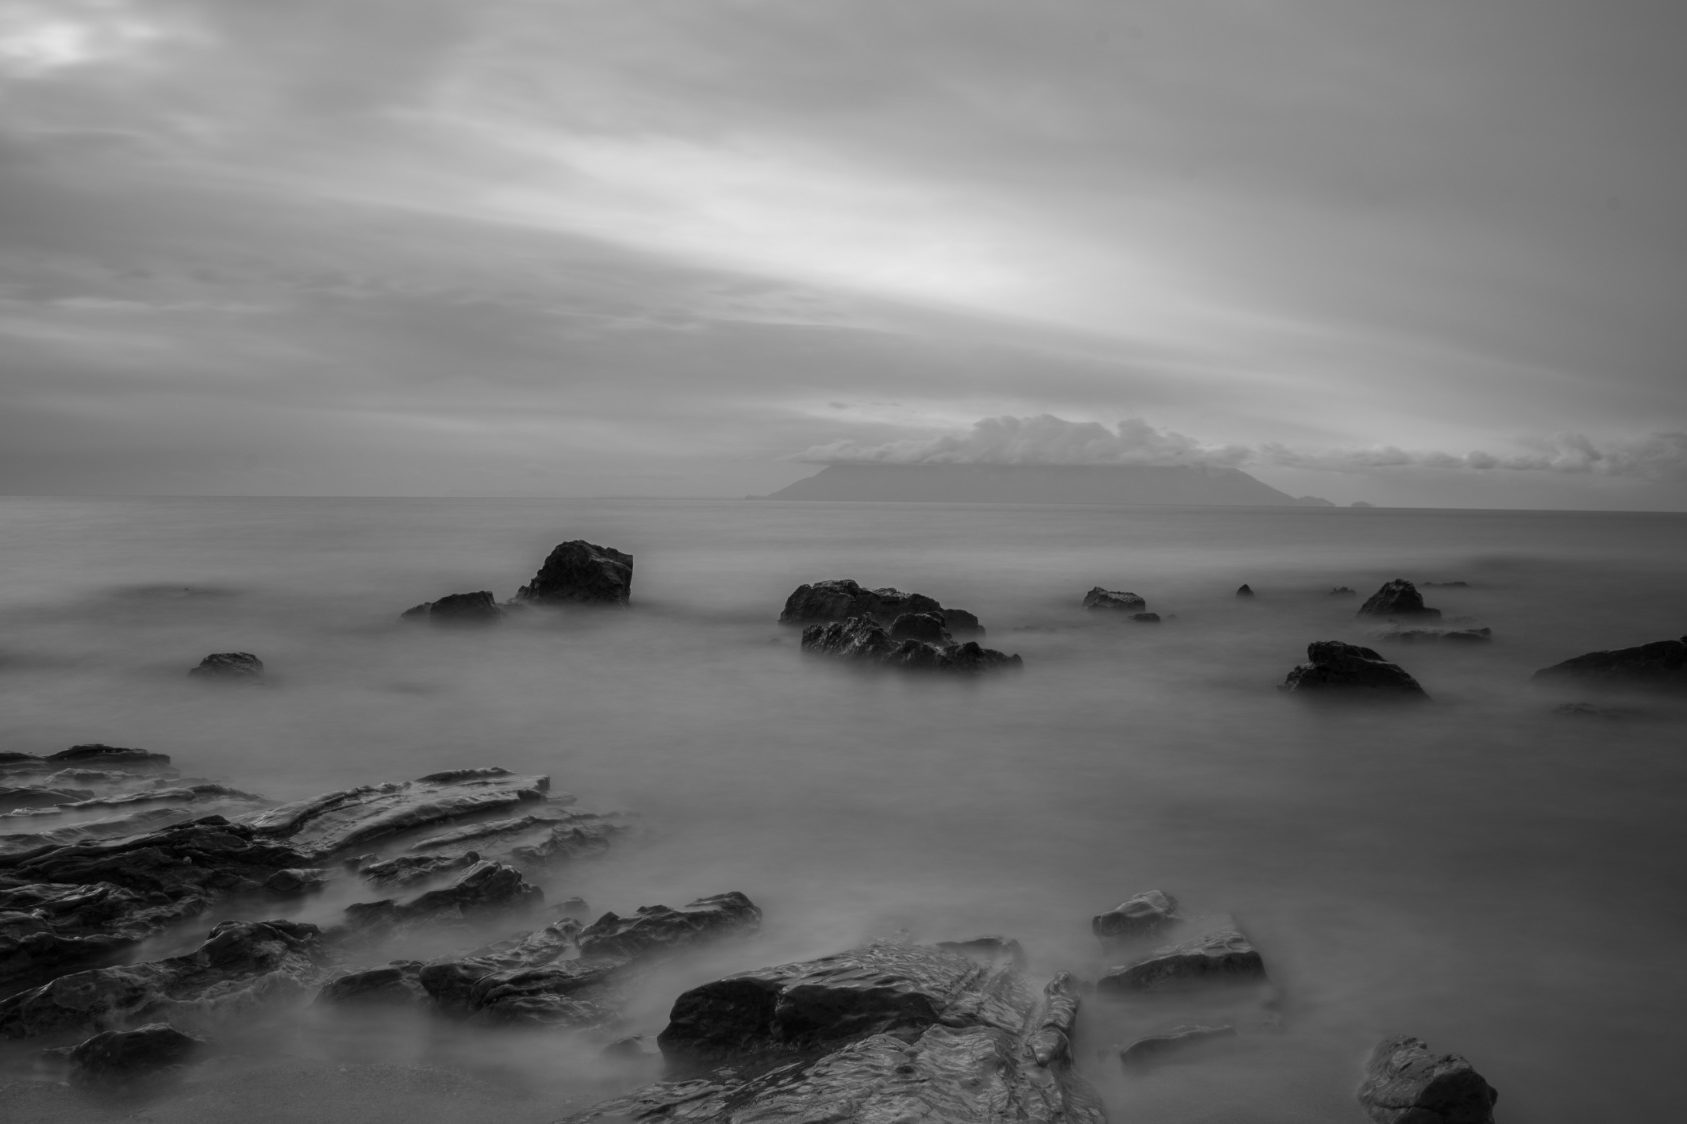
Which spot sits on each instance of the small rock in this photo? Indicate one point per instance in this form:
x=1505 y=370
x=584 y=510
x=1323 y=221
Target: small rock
x=395 y=984
x=1244 y=590
x=863 y=640
x=1456 y=635
x=235 y=666
x=581 y=573
x=457 y=609
x=1115 y=599
x=111 y=757
x=1146 y=618
x=1661 y=665
x=1406 y=1084
x=1221 y=953
x=1141 y=915
x=120 y=1055
x=1351 y=670
x=1398 y=598
x=1155 y=1047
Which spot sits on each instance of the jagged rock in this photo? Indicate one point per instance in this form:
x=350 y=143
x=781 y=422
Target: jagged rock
x=48 y=928
x=927 y=627
x=122 y=1055
x=111 y=757
x=1146 y=618
x=483 y=888
x=236 y=666
x=1351 y=670
x=404 y=870
x=863 y=640
x=547 y=836
x=961 y=622
x=1657 y=666
x=396 y=984
x=1244 y=590
x=1155 y=1048
x=1406 y=1084
x=1220 y=953
x=457 y=609
x=241 y=965
x=207 y=857
x=1140 y=915
x=841 y=598
x=135 y=823
x=581 y=573
x=989 y=950
x=1119 y=600
x=294 y=881
x=1398 y=598
x=203 y=794
x=1454 y=635
x=339 y=822
x=884 y=1033
x=655 y=927
x=14 y=799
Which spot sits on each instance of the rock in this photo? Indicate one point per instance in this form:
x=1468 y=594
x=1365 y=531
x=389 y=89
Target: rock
x=1343 y=591
x=111 y=757
x=1453 y=635
x=961 y=622
x=134 y=823
x=1446 y=585
x=841 y=598
x=928 y=627
x=1146 y=618
x=241 y=965
x=863 y=640
x=989 y=951
x=1220 y=954
x=1178 y=1040
x=485 y=887
x=457 y=609
x=1118 y=600
x=1398 y=598
x=883 y=1033
x=1348 y=669
x=121 y=1055
x=1406 y=1084
x=14 y=799
x=655 y=927
x=1590 y=710
x=339 y=822
x=294 y=881
x=544 y=837
x=1140 y=915
x=581 y=573
x=396 y=984
x=1659 y=666
x=48 y=928
x=235 y=666
x=1244 y=590
x=220 y=796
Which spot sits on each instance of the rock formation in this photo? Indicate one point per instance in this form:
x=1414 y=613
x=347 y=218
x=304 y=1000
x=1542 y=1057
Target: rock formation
x=229 y=666
x=1118 y=600
x=581 y=573
x=1407 y=1084
x=838 y=599
x=1353 y=671
x=1657 y=666
x=864 y=641
x=457 y=609
x=1398 y=598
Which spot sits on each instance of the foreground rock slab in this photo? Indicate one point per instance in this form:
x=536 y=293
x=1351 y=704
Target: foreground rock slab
x=839 y=599
x=883 y=1033
x=1406 y=1083
x=1337 y=668
x=581 y=573
x=1657 y=666
x=863 y=640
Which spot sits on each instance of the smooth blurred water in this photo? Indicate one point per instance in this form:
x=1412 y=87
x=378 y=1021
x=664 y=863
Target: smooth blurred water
x=1504 y=881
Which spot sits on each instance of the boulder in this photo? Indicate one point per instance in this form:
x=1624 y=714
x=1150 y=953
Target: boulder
x=241 y=965
x=863 y=640
x=928 y=627
x=1244 y=590
x=457 y=609
x=115 y=1056
x=1398 y=598
x=1141 y=915
x=839 y=599
x=886 y=1032
x=581 y=573
x=1219 y=954
x=1407 y=1084
x=231 y=666
x=1351 y=670
x=1659 y=666
x=51 y=834
x=1179 y=1040
x=1451 y=635
x=962 y=623
x=653 y=928
x=1117 y=600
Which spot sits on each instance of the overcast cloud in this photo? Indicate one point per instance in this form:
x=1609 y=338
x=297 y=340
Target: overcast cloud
x=422 y=246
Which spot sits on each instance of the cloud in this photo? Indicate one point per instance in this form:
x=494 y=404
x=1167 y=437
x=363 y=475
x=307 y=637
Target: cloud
x=1049 y=440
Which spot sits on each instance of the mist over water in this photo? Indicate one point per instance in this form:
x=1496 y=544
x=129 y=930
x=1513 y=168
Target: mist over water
x=1496 y=878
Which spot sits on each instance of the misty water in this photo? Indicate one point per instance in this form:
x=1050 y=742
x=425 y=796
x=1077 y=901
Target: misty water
x=1501 y=880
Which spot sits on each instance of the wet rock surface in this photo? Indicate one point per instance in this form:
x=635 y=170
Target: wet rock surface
x=1398 y=598
x=1433 y=635
x=117 y=1056
x=1406 y=1083
x=581 y=573
x=470 y=609
x=1220 y=953
x=839 y=599
x=1115 y=599
x=864 y=641
x=886 y=1032
x=1659 y=666
x=484 y=888
x=1350 y=670
x=235 y=667
x=1137 y=917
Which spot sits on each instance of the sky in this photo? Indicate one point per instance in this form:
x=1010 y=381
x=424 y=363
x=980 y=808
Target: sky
x=1418 y=254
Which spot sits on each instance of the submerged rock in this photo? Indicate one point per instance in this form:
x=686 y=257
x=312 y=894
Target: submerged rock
x=1138 y=916
x=1118 y=600
x=839 y=599
x=1146 y=618
x=581 y=573
x=887 y=1032
x=457 y=609
x=1348 y=669
x=395 y=984
x=1661 y=665
x=485 y=887
x=1398 y=598
x=115 y=1056
x=47 y=928
x=1154 y=1048
x=1407 y=1084
x=863 y=640
x=236 y=666
x=1244 y=590
x=1220 y=954
x=118 y=757
x=1451 y=635
x=241 y=965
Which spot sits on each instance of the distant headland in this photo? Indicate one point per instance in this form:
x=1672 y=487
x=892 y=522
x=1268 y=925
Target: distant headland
x=1194 y=485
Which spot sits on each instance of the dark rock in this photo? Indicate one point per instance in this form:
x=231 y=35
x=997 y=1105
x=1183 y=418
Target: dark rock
x=1349 y=669
x=122 y=1055
x=1452 y=635
x=961 y=622
x=884 y=1033
x=404 y=870
x=655 y=927
x=1244 y=590
x=862 y=640
x=396 y=984
x=485 y=887
x=1446 y=585
x=1140 y=915
x=1658 y=666
x=81 y=831
x=14 y=799
x=111 y=757
x=989 y=951
x=237 y=666
x=1343 y=591
x=1118 y=600
x=457 y=609
x=633 y=1048
x=1221 y=953
x=1155 y=1048
x=49 y=928
x=840 y=599
x=1398 y=598
x=339 y=822
x=1406 y=1084
x=220 y=796
x=242 y=964
x=928 y=627
x=1146 y=618
x=545 y=837
x=581 y=573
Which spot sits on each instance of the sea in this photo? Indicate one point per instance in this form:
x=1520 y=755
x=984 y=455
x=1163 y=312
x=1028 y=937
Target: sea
x=1503 y=880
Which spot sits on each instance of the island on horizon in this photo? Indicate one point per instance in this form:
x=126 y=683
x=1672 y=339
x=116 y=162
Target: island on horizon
x=1185 y=484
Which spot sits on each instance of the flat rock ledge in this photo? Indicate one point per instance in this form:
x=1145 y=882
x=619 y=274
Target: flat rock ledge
x=1659 y=666
x=1406 y=1083
x=883 y=1033
x=839 y=599
x=1349 y=670
x=457 y=610
x=118 y=1056
x=862 y=640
